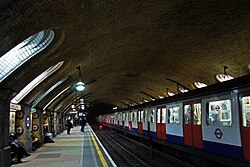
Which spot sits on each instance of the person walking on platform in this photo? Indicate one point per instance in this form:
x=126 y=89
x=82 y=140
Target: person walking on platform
x=69 y=126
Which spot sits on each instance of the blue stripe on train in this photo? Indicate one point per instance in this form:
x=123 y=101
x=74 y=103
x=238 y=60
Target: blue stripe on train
x=145 y=132
x=135 y=130
x=126 y=128
x=224 y=149
x=175 y=139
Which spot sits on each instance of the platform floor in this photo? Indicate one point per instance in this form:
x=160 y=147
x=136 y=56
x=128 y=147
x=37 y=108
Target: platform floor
x=75 y=150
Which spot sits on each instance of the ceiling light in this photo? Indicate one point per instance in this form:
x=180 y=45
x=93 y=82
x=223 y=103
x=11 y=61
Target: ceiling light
x=199 y=85
x=223 y=77
x=80 y=86
x=183 y=90
x=170 y=94
x=161 y=97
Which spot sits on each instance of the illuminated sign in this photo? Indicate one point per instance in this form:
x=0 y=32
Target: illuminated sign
x=14 y=107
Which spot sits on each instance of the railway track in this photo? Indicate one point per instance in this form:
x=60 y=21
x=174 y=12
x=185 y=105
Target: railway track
x=127 y=152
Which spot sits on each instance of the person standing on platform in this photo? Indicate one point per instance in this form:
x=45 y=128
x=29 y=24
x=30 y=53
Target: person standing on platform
x=82 y=125
x=69 y=126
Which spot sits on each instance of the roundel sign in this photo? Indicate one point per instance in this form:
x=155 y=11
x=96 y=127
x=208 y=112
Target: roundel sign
x=218 y=133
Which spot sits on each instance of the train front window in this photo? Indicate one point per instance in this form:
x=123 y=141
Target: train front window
x=187 y=112
x=219 y=113
x=197 y=114
x=174 y=114
x=245 y=105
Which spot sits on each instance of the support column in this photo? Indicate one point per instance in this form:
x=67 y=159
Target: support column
x=5 y=159
x=21 y=126
x=37 y=126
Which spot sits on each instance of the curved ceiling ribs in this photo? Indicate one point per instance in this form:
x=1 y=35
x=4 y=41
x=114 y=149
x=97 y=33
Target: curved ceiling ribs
x=130 y=51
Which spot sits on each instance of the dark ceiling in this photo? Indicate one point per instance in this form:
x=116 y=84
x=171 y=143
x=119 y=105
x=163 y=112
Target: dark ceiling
x=127 y=48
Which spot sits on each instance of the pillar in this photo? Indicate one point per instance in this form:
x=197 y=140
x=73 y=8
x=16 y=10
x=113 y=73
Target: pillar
x=5 y=159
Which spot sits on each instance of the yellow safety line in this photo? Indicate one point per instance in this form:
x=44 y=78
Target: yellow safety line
x=104 y=163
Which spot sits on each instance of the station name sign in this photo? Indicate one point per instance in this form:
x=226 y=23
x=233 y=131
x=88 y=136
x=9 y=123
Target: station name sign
x=14 y=107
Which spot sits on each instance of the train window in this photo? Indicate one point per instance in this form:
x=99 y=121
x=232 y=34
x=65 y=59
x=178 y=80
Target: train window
x=135 y=116
x=187 y=110
x=163 y=115
x=158 y=115
x=145 y=116
x=123 y=117
x=152 y=119
x=197 y=114
x=139 y=116
x=246 y=111
x=142 y=113
x=219 y=113
x=174 y=114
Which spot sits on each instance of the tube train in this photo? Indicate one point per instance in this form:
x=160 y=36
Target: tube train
x=214 y=119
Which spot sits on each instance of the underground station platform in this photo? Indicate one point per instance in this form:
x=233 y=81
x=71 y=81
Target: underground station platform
x=79 y=149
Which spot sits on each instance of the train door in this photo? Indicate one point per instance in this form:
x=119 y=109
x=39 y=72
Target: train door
x=245 y=124
x=140 y=119
x=161 y=122
x=192 y=124
x=130 y=116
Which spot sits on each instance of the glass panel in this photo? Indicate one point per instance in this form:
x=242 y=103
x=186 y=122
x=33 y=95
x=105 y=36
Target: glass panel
x=139 y=116
x=142 y=115
x=124 y=117
x=134 y=116
x=28 y=88
x=187 y=114
x=197 y=114
x=158 y=115
x=47 y=92
x=219 y=113
x=163 y=115
x=145 y=116
x=23 y=52
x=174 y=114
x=246 y=111
x=130 y=116
x=152 y=119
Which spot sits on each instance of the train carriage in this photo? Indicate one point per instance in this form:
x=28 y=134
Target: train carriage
x=244 y=103
x=140 y=121
x=192 y=123
x=215 y=119
x=174 y=123
x=134 y=121
x=221 y=131
x=145 y=121
x=152 y=121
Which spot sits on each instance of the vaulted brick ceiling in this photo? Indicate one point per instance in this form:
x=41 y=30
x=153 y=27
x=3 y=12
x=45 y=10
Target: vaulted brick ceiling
x=127 y=47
